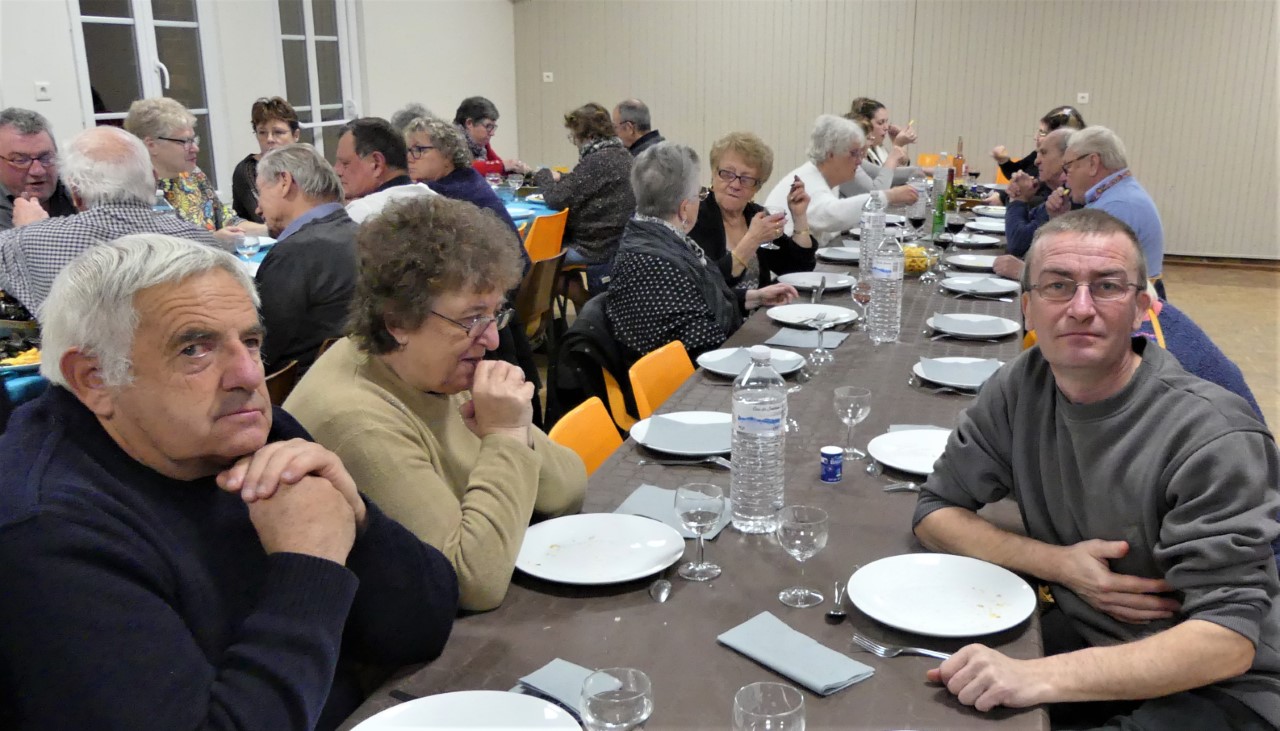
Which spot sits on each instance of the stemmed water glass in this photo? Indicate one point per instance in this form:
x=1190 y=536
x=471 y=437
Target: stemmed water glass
x=853 y=405
x=802 y=531
x=820 y=355
x=699 y=506
x=773 y=211
x=616 y=699
x=862 y=295
x=247 y=246
x=768 y=707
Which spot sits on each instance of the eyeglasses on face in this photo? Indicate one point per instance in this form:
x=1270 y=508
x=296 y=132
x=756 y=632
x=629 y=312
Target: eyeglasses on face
x=1066 y=164
x=263 y=132
x=746 y=181
x=22 y=162
x=489 y=126
x=476 y=326
x=1062 y=289
x=417 y=151
x=189 y=142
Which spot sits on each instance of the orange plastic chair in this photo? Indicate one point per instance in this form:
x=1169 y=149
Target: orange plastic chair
x=927 y=160
x=658 y=374
x=546 y=236
x=617 y=403
x=588 y=430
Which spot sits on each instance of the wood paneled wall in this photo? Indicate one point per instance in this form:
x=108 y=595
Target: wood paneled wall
x=1190 y=86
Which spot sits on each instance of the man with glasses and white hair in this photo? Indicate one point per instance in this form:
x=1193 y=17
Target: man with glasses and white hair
x=29 y=185
x=836 y=150
x=1098 y=176
x=307 y=278
x=1148 y=497
x=174 y=552
x=108 y=174
x=632 y=125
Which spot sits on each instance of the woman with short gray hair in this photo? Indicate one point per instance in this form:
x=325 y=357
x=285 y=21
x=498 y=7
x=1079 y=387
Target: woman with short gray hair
x=663 y=287
x=438 y=157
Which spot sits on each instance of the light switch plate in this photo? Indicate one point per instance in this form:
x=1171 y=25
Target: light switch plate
x=1082 y=97
x=548 y=77
x=42 y=91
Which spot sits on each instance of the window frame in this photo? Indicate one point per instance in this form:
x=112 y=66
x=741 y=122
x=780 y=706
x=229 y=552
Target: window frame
x=349 y=76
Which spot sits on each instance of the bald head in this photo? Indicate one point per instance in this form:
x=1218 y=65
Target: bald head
x=108 y=165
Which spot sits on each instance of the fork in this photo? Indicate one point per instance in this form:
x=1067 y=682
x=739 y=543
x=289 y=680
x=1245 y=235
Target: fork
x=943 y=336
x=902 y=487
x=879 y=650
x=913 y=381
x=713 y=461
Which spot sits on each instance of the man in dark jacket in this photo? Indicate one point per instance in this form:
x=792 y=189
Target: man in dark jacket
x=307 y=279
x=632 y=125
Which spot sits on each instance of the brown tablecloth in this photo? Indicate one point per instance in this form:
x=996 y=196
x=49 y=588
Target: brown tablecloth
x=694 y=677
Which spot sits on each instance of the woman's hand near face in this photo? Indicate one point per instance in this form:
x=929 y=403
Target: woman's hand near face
x=501 y=402
x=764 y=227
x=902 y=137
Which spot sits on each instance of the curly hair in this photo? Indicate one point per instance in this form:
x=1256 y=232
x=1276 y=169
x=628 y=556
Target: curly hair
x=589 y=122
x=157 y=117
x=446 y=138
x=747 y=146
x=417 y=250
x=272 y=109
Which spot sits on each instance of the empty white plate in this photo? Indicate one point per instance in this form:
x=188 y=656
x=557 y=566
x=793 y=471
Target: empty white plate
x=472 y=709
x=975 y=241
x=813 y=280
x=941 y=595
x=981 y=285
x=801 y=315
x=910 y=450
x=969 y=325
x=992 y=211
x=598 y=548
x=990 y=225
x=971 y=379
x=535 y=198
x=980 y=262
x=839 y=253
x=518 y=212
x=714 y=436
x=730 y=361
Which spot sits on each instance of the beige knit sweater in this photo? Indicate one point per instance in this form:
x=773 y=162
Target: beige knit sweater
x=413 y=455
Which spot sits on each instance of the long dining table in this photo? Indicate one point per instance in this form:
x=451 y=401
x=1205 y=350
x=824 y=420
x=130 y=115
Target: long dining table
x=694 y=677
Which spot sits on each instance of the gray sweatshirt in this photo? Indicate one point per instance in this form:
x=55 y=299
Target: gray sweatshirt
x=1177 y=466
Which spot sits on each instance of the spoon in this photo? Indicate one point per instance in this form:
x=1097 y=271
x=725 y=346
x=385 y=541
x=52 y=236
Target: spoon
x=660 y=590
x=836 y=614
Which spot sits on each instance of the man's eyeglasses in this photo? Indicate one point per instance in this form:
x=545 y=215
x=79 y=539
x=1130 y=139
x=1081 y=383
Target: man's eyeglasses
x=476 y=326
x=417 y=151
x=746 y=181
x=1066 y=164
x=1106 y=289
x=22 y=162
x=489 y=127
x=188 y=143
x=269 y=134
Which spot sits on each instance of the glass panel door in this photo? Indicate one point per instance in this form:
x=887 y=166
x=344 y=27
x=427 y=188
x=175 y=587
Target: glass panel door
x=315 y=45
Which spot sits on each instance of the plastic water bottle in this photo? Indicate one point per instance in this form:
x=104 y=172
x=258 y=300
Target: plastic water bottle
x=884 y=314
x=162 y=204
x=756 y=482
x=872 y=233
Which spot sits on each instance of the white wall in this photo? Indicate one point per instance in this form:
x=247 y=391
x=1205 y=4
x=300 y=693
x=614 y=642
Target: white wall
x=35 y=45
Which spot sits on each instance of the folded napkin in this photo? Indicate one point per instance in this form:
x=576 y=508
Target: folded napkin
x=915 y=427
x=972 y=375
x=792 y=338
x=669 y=435
x=659 y=504
x=559 y=681
x=770 y=642
x=990 y=285
x=951 y=323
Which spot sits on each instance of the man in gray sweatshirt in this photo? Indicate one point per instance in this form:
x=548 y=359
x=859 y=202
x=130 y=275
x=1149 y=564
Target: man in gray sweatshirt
x=1149 y=499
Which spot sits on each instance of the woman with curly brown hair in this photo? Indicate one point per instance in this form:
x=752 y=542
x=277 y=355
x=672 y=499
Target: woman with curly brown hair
x=275 y=124
x=438 y=437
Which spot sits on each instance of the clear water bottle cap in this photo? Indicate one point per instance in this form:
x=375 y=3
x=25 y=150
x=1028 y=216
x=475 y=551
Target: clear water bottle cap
x=760 y=353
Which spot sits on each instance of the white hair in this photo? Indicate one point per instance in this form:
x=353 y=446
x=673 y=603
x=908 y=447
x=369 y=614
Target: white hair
x=1104 y=143
x=313 y=174
x=833 y=135
x=90 y=306
x=108 y=165
x=663 y=177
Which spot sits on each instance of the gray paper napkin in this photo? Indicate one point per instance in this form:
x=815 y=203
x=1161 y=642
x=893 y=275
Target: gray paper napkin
x=669 y=435
x=972 y=375
x=951 y=323
x=560 y=681
x=991 y=285
x=770 y=642
x=660 y=504
x=791 y=338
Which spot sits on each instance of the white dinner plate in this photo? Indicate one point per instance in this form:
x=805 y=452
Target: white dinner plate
x=799 y=315
x=843 y=254
x=721 y=446
x=995 y=186
x=955 y=326
x=975 y=241
x=910 y=450
x=472 y=709
x=979 y=262
x=725 y=362
x=813 y=280
x=266 y=242
x=991 y=286
x=535 y=198
x=956 y=382
x=990 y=211
x=598 y=548
x=941 y=595
x=518 y=212
x=990 y=225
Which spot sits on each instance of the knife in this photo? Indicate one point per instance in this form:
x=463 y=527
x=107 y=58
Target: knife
x=817 y=293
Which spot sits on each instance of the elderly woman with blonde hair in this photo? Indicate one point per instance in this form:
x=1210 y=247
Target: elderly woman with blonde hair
x=168 y=131
x=739 y=235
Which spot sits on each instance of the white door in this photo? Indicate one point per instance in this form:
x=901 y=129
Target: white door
x=317 y=44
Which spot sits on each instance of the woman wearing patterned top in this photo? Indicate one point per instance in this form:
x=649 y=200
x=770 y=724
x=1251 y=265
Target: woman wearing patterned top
x=664 y=288
x=168 y=131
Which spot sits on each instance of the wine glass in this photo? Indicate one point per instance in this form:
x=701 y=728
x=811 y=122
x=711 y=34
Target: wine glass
x=615 y=699
x=802 y=531
x=699 y=506
x=494 y=180
x=820 y=355
x=768 y=707
x=853 y=405
x=248 y=246
x=973 y=178
x=862 y=295
x=773 y=211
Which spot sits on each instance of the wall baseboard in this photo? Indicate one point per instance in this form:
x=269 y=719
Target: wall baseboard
x=1226 y=262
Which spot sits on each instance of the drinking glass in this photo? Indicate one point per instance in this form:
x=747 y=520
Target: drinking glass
x=773 y=211
x=862 y=295
x=247 y=246
x=973 y=178
x=493 y=179
x=802 y=531
x=820 y=355
x=615 y=699
x=699 y=506
x=768 y=707
x=515 y=180
x=853 y=405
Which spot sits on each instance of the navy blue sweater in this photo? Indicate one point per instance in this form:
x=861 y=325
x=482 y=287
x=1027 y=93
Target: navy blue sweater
x=134 y=601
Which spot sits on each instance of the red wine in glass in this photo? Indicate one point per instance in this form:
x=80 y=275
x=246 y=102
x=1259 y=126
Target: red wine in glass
x=916 y=221
x=955 y=225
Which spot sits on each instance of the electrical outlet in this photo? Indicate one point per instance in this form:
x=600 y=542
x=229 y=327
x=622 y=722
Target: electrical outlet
x=548 y=77
x=42 y=91
x=1082 y=97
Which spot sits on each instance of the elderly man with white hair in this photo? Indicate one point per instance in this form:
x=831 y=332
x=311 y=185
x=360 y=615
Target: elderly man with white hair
x=836 y=149
x=108 y=172
x=1098 y=176
x=174 y=552
x=307 y=279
